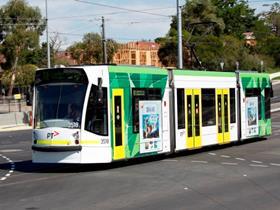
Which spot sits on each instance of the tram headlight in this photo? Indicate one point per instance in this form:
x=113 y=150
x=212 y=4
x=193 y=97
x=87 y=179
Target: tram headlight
x=76 y=137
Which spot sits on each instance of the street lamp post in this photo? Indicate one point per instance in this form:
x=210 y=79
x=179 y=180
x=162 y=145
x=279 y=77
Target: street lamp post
x=47 y=35
x=179 y=30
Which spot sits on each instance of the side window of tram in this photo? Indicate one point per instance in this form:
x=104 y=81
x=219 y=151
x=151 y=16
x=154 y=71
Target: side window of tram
x=181 y=107
x=255 y=92
x=208 y=107
x=97 y=112
x=139 y=94
x=267 y=102
x=232 y=105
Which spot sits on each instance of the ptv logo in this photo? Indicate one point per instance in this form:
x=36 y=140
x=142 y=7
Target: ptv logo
x=52 y=134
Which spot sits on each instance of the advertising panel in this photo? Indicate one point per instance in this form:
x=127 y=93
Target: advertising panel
x=252 y=126
x=150 y=126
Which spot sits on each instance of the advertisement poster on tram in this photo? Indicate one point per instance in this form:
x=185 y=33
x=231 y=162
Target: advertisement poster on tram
x=150 y=126
x=252 y=116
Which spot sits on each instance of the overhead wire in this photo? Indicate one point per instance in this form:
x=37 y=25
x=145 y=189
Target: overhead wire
x=105 y=14
x=122 y=8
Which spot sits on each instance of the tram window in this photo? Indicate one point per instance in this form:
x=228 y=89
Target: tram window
x=97 y=112
x=181 y=108
x=208 y=107
x=142 y=94
x=267 y=103
x=232 y=106
x=226 y=111
x=255 y=92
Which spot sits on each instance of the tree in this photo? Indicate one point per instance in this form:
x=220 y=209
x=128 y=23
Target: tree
x=273 y=18
x=201 y=17
x=272 y=47
x=89 y=50
x=167 y=52
x=238 y=17
x=24 y=75
x=20 y=28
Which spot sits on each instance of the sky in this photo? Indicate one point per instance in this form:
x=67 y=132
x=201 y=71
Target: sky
x=71 y=19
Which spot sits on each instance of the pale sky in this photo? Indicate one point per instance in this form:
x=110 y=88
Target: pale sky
x=71 y=19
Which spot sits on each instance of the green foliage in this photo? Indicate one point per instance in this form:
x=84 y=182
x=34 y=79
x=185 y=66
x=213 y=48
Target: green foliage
x=237 y=16
x=215 y=28
x=20 y=28
x=202 y=11
x=24 y=75
x=168 y=52
x=89 y=50
x=271 y=46
x=273 y=18
x=209 y=51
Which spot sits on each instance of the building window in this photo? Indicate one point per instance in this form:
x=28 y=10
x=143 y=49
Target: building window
x=181 y=108
x=133 y=57
x=143 y=59
x=97 y=112
x=154 y=58
x=142 y=94
x=232 y=105
x=208 y=107
x=267 y=103
x=255 y=92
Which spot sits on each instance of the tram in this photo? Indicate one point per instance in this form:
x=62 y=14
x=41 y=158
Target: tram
x=106 y=113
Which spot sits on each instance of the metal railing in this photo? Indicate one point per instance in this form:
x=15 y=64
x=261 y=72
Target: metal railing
x=10 y=104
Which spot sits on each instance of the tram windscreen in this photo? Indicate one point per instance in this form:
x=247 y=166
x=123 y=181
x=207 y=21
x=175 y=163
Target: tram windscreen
x=59 y=105
x=59 y=97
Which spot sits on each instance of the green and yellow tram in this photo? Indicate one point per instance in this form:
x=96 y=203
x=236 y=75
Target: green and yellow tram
x=104 y=113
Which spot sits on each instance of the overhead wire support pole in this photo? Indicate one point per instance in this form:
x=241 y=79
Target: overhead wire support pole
x=47 y=36
x=104 y=42
x=179 y=30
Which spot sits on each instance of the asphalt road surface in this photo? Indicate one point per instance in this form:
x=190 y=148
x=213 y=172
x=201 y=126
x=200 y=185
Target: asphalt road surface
x=246 y=176
x=276 y=92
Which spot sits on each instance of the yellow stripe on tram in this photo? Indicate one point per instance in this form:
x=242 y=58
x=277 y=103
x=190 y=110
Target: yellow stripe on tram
x=53 y=142
x=90 y=142
x=66 y=142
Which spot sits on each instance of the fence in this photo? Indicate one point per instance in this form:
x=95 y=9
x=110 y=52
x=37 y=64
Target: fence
x=10 y=104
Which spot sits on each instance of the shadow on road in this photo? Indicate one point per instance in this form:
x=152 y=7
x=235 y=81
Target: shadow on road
x=29 y=167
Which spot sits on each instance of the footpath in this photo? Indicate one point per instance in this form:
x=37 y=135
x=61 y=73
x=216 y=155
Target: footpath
x=12 y=119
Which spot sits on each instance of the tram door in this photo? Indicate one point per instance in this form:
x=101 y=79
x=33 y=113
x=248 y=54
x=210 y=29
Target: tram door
x=118 y=124
x=193 y=118
x=223 y=115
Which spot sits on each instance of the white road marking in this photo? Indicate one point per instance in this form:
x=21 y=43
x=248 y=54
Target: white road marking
x=199 y=161
x=10 y=150
x=255 y=161
x=11 y=169
x=274 y=164
x=212 y=153
x=242 y=159
x=169 y=160
x=186 y=188
x=245 y=175
x=261 y=166
x=230 y=164
x=275 y=110
x=225 y=156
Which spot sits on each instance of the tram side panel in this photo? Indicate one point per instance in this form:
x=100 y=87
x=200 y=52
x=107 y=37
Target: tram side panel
x=205 y=109
x=139 y=112
x=95 y=136
x=255 y=105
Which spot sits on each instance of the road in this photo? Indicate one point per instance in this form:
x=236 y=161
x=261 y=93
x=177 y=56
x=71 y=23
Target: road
x=232 y=177
x=276 y=91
